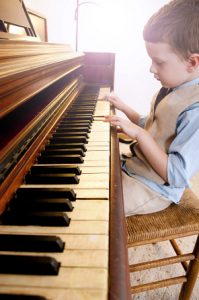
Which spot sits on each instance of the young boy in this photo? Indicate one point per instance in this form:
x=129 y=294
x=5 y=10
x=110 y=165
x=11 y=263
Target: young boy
x=164 y=154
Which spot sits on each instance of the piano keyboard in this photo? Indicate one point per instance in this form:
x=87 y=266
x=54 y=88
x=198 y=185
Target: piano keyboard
x=82 y=267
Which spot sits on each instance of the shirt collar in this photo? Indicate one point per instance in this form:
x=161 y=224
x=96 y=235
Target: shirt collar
x=189 y=83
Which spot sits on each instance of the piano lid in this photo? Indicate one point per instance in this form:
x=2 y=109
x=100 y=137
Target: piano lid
x=15 y=22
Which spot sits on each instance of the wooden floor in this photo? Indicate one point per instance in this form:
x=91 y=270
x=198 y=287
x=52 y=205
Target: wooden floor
x=159 y=250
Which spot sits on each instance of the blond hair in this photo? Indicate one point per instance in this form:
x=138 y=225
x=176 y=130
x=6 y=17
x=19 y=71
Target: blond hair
x=176 y=23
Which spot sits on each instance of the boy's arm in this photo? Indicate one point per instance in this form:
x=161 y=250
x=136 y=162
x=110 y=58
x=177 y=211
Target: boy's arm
x=155 y=156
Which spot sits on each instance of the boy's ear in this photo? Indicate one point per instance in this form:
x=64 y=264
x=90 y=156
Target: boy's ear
x=193 y=61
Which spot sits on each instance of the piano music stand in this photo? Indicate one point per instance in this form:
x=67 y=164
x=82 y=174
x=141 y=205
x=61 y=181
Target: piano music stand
x=20 y=21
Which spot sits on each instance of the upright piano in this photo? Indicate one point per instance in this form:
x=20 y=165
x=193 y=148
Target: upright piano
x=62 y=229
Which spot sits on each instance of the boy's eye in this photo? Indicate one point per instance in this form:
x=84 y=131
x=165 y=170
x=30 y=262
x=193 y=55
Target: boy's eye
x=159 y=63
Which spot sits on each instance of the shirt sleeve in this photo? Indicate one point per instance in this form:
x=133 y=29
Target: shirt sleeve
x=142 y=121
x=183 y=160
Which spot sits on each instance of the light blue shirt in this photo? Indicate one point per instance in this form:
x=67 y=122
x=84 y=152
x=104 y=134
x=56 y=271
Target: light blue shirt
x=183 y=159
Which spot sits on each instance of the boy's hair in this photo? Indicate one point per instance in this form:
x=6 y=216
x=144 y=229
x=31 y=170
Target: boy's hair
x=177 y=24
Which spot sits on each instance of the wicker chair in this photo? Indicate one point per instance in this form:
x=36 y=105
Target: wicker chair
x=176 y=221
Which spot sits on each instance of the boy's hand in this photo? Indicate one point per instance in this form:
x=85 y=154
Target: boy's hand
x=115 y=101
x=153 y=153
x=131 y=114
x=131 y=129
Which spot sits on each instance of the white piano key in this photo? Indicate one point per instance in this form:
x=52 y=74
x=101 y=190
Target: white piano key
x=57 y=294
x=98 y=148
x=85 y=215
x=93 y=163
x=83 y=193
x=90 y=210
x=91 y=166
x=87 y=181
x=72 y=257
x=76 y=227
x=85 y=241
x=97 y=155
x=103 y=92
x=75 y=241
x=92 y=205
x=98 y=126
x=92 y=193
x=68 y=278
x=95 y=169
x=100 y=136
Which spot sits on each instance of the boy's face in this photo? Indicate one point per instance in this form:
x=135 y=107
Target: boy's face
x=167 y=66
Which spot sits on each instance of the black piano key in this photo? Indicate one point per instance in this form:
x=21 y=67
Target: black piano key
x=79 y=118
x=62 y=151
x=31 y=243
x=75 y=123
x=60 y=159
x=88 y=98
x=87 y=101
x=90 y=93
x=87 y=104
x=51 y=179
x=40 y=193
x=4 y=296
x=55 y=145
x=69 y=139
x=66 y=129
x=28 y=265
x=76 y=119
x=55 y=169
x=70 y=134
x=37 y=204
x=84 y=104
x=35 y=218
x=88 y=112
x=85 y=107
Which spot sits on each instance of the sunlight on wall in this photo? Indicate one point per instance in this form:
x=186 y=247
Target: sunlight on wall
x=116 y=26
x=101 y=25
x=108 y=26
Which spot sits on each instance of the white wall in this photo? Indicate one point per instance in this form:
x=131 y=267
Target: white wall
x=108 y=26
x=133 y=81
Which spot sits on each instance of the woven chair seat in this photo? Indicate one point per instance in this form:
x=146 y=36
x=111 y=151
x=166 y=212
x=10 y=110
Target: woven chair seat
x=175 y=221
x=168 y=224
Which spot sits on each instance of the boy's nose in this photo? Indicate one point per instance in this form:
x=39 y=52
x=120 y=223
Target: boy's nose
x=152 y=69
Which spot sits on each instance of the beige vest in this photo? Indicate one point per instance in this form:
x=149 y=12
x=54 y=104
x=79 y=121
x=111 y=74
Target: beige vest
x=162 y=126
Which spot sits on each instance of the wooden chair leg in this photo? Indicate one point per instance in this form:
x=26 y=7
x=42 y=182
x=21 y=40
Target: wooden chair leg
x=192 y=274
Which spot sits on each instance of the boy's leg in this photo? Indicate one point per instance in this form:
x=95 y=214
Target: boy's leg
x=139 y=198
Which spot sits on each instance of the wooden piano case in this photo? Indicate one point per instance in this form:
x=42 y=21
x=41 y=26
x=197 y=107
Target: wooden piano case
x=38 y=83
